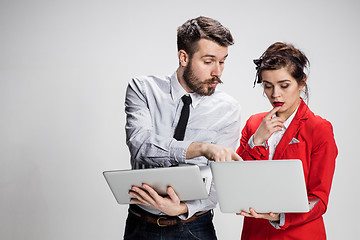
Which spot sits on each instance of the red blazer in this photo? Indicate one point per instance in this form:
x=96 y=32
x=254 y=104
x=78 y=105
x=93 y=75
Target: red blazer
x=317 y=150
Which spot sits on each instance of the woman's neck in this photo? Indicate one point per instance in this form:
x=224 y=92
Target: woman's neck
x=285 y=115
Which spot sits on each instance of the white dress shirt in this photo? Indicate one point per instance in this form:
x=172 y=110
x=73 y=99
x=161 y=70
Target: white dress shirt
x=272 y=143
x=153 y=105
x=275 y=138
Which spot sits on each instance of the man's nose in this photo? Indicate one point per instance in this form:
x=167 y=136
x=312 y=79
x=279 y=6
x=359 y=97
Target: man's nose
x=217 y=70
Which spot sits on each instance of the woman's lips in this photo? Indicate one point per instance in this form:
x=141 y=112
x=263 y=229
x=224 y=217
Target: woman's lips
x=278 y=104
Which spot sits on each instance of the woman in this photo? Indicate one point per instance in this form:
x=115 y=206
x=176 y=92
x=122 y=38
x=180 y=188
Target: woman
x=289 y=131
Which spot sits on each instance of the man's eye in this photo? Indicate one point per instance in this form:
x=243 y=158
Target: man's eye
x=208 y=62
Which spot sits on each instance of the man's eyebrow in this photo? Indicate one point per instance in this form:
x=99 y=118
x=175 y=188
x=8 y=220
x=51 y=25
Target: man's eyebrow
x=212 y=56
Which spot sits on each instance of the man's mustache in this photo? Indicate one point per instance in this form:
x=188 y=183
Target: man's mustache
x=214 y=79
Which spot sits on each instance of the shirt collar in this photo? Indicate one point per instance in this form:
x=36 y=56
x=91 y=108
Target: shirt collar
x=177 y=91
x=196 y=98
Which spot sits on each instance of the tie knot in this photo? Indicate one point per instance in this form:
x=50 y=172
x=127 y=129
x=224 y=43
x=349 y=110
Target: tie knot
x=186 y=99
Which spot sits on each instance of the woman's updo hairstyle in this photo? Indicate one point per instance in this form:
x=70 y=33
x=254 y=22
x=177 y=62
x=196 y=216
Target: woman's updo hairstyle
x=280 y=55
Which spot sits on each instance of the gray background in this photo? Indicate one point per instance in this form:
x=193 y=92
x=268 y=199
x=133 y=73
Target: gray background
x=64 y=67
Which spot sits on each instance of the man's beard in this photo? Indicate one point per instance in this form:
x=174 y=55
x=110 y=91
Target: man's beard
x=195 y=85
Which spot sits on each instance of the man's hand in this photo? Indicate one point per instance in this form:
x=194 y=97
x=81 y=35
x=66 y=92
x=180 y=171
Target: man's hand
x=219 y=153
x=170 y=205
x=252 y=213
x=211 y=151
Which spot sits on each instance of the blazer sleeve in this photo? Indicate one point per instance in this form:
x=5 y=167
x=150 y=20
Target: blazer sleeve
x=244 y=150
x=320 y=174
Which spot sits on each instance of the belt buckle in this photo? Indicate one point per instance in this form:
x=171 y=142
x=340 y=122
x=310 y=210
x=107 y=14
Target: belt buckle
x=158 y=222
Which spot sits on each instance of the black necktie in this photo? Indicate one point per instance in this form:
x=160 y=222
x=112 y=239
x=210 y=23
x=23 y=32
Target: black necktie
x=184 y=117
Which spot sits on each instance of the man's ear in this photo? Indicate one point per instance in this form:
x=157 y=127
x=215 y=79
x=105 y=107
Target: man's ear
x=183 y=58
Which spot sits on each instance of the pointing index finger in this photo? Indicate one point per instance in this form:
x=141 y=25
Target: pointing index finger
x=273 y=111
x=236 y=157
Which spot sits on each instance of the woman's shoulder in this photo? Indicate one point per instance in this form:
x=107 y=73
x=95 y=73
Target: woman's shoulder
x=256 y=118
x=319 y=132
x=318 y=125
x=316 y=120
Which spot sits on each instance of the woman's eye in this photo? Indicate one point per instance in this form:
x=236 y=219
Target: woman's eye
x=267 y=86
x=284 y=86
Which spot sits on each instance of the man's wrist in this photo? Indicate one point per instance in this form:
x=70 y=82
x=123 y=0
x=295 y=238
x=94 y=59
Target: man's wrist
x=204 y=148
x=196 y=149
x=183 y=209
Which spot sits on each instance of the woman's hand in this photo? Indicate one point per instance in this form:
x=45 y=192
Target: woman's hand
x=252 y=213
x=267 y=127
x=170 y=205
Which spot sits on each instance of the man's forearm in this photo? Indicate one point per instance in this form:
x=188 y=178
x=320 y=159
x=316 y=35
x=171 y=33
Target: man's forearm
x=196 y=149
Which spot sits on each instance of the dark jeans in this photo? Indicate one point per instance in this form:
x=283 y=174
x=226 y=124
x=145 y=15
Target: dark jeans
x=202 y=228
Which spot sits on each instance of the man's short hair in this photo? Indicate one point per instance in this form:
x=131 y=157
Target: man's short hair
x=201 y=27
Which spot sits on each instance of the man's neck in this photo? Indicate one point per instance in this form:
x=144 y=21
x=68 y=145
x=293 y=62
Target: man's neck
x=179 y=74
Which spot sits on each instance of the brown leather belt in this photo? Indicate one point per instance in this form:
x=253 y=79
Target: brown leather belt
x=161 y=220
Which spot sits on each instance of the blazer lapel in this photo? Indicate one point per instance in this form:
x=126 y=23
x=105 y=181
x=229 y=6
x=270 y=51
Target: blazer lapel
x=292 y=131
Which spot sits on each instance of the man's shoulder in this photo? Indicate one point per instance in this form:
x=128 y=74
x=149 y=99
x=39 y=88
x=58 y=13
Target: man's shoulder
x=152 y=79
x=150 y=83
x=224 y=98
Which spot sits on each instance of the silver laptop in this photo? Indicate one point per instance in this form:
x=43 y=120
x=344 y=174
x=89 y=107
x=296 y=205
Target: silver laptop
x=187 y=181
x=266 y=186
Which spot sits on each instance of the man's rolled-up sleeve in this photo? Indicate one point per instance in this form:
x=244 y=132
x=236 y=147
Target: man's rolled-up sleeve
x=145 y=146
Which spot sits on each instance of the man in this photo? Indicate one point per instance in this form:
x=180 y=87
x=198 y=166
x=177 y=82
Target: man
x=153 y=107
